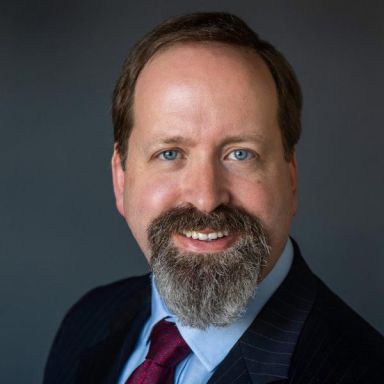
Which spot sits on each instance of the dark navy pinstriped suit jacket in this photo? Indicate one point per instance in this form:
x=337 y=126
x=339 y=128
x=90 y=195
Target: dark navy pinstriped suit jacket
x=304 y=335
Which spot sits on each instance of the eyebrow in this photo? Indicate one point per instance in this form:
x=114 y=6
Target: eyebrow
x=186 y=141
x=253 y=137
x=177 y=140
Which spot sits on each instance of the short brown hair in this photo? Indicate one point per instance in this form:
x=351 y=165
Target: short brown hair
x=207 y=27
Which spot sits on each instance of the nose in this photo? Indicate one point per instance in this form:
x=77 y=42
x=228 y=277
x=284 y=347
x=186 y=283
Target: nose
x=205 y=186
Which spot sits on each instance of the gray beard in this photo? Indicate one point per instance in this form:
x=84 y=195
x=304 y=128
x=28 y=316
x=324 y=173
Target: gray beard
x=204 y=289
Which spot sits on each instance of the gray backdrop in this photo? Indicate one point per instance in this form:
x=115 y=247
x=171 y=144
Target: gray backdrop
x=60 y=234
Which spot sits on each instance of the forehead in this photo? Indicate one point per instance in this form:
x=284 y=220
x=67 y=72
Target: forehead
x=190 y=60
x=209 y=82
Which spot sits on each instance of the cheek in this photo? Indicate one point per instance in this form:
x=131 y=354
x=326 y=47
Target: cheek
x=269 y=201
x=147 y=197
x=256 y=198
x=161 y=195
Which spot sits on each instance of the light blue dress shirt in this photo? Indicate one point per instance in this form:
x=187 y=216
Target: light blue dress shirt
x=210 y=346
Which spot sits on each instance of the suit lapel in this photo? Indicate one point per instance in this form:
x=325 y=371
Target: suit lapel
x=263 y=354
x=104 y=361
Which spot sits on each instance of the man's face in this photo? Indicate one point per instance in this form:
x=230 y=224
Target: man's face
x=206 y=135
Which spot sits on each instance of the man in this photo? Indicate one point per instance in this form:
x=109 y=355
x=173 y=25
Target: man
x=206 y=118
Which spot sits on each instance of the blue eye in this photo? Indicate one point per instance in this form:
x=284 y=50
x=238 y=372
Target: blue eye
x=169 y=155
x=240 y=154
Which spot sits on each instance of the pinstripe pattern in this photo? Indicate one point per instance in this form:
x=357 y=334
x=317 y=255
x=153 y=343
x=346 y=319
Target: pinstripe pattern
x=303 y=335
x=267 y=346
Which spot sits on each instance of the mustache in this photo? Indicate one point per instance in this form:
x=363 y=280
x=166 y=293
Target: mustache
x=179 y=219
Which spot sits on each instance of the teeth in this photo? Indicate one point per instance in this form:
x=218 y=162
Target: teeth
x=205 y=236
x=212 y=236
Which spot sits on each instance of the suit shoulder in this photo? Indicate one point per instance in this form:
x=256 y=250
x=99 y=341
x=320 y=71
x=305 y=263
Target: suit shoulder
x=98 y=307
x=342 y=320
x=91 y=319
x=336 y=342
x=111 y=295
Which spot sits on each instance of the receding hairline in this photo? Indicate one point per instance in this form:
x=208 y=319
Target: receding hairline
x=211 y=44
x=248 y=57
x=206 y=28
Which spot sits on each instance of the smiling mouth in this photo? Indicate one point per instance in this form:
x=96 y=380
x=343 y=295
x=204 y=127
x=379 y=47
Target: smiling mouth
x=205 y=236
x=206 y=240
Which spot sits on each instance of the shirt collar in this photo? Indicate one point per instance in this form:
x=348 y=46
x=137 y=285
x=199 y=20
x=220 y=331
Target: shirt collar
x=212 y=344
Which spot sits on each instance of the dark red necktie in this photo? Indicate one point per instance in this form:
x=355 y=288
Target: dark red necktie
x=167 y=349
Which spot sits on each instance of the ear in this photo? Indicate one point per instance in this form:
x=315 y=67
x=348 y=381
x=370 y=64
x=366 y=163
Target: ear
x=293 y=175
x=118 y=179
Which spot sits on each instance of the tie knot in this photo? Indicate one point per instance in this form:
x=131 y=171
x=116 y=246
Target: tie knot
x=167 y=346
